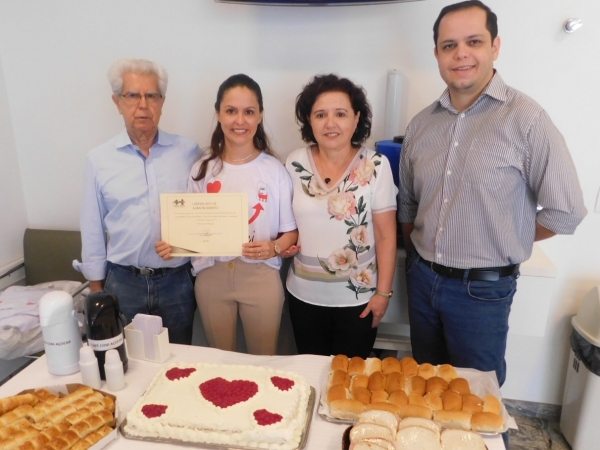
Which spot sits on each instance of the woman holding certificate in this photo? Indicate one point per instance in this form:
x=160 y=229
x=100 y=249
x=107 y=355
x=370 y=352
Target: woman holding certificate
x=241 y=160
x=345 y=207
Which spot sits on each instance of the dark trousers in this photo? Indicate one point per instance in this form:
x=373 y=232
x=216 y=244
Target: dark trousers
x=459 y=322
x=169 y=295
x=324 y=330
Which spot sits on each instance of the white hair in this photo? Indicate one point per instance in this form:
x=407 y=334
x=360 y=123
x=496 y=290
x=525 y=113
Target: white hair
x=134 y=65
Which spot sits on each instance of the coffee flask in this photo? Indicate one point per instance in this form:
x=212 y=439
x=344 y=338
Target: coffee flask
x=62 y=338
x=104 y=324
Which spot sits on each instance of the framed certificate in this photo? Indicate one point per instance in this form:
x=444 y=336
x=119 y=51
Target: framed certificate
x=204 y=224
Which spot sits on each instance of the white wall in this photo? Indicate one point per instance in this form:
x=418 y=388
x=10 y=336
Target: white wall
x=13 y=216
x=56 y=54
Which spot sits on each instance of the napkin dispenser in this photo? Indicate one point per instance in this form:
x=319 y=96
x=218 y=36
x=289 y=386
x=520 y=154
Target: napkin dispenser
x=147 y=339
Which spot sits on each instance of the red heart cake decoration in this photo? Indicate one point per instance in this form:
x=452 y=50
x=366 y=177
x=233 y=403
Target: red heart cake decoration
x=264 y=417
x=151 y=411
x=283 y=384
x=176 y=373
x=223 y=393
x=213 y=188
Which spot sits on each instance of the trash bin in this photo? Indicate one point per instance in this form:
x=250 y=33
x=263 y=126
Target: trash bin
x=581 y=400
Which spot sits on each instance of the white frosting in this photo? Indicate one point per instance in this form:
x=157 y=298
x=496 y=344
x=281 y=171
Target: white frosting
x=190 y=417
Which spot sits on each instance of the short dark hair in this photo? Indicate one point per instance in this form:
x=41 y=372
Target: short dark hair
x=491 y=22
x=332 y=83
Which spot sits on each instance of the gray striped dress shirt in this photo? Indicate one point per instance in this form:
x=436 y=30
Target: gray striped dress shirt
x=471 y=181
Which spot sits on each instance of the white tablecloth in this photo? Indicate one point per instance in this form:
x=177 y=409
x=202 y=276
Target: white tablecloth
x=323 y=435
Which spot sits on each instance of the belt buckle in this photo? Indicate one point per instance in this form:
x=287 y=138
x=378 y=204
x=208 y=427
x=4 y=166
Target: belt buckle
x=146 y=271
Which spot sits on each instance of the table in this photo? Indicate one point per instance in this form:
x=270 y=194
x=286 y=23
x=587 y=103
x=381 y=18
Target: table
x=323 y=435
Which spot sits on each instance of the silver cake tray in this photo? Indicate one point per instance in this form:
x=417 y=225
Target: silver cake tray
x=303 y=438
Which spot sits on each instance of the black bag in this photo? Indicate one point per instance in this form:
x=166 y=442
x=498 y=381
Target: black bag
x=588 y=353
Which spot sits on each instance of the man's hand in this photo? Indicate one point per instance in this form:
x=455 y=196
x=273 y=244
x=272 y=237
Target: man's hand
x=163 y=250
x=96 y=285
x=542 y=232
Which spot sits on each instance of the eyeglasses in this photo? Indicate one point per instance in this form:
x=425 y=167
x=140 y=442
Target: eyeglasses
x=133 y=98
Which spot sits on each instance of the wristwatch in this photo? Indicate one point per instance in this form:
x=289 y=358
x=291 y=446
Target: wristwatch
x=276 y=248
x=385 y=294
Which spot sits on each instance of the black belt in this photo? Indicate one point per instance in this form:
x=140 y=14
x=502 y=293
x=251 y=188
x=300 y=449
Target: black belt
x=485 y=274
x=148 y=271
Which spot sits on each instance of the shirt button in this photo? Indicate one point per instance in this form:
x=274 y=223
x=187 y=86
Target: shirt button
x=445 y=200
x=449 y=172
x=456 y=144
x=441 y=228
x=439 y=255
x=462 y=115
x=230 y=265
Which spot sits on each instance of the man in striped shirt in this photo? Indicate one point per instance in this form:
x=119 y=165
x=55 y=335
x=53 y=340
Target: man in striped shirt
x=474 y=168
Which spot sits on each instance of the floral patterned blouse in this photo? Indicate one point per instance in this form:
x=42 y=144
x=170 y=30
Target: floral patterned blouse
x=336 y=265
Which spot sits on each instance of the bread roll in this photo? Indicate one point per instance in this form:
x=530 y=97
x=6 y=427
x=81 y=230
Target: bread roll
x=394 y=382
x=14 y=427
x=398 y=398
x=372 y=365
x=409 y=366
x=383 y=418
x=452 y=401
x=340 y=362
x=382 y=406
x=334 y=393
x=362 y=431
x=417 y=438
x=339 y=377
x=390 y=365
x=44 y=395
x=415 y=411
x=376 y=381
x=357 y=366
x=372 y=444
x=472 y=403
x=453 y=419
x=108 y=403
x=7 y=404
x=487 y=422
x=379 y=396
x=359 y=381
x=18 y=413
x=426 y=371
x=437 y=385
x=416 y=399
x=362 y=394
x=434 y=401
x=417 y=385
x=346 y=409
x=419 y=422
x=459 y=385
x=492 y=404
x=447 y=372
x=461 y=440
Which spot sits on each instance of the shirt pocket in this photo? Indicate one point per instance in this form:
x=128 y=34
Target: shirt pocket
x=491 y=164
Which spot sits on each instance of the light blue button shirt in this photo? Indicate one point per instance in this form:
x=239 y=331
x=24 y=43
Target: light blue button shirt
x=120 y=215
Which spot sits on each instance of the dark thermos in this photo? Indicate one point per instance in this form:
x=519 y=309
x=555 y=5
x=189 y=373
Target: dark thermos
x=104 y=324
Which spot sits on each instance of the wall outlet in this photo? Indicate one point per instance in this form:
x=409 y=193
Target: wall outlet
x=597 y=208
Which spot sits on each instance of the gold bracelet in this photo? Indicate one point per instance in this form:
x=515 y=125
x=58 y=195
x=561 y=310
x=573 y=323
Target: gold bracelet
x=383 y=294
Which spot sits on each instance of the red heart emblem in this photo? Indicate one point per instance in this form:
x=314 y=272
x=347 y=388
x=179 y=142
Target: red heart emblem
x=283 y=384
x=151 y=411
x=213 y=188
x=176 y=373
x=223 y=393
x=264 y=417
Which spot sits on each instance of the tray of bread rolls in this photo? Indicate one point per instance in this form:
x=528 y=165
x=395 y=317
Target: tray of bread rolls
x=72 y=416
x=459 y=398
x=382 y=430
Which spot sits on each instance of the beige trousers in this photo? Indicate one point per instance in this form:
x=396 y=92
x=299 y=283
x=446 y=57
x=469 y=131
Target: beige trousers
x=253 y=290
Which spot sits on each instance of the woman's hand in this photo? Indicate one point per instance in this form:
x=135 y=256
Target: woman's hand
x=378 y=306
x=163 y=250
x=291 y=251
x=259 y=250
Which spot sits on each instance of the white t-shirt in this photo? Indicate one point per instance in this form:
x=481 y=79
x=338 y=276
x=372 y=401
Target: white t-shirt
x=336 y=265
x=269 y=190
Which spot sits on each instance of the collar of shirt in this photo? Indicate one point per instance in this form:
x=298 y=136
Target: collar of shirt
x=495 y=89
x=162 y=139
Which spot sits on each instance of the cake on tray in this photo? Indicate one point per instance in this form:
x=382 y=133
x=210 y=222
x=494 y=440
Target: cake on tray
x=238 y=405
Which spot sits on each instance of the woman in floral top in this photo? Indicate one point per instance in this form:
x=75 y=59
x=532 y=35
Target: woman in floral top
x=345 y=207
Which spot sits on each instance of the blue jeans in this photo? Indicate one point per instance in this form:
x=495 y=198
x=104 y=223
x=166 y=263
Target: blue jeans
x=458 y=322
x=169 y=295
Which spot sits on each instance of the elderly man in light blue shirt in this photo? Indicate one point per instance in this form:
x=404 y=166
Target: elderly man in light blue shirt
x=120 y=215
